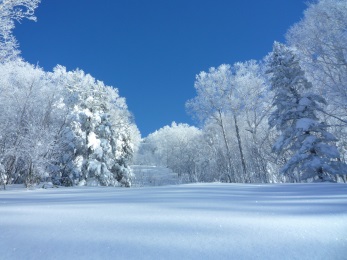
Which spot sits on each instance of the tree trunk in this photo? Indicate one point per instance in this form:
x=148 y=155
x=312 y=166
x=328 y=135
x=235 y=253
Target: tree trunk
x=244 y=169
x=231 y=176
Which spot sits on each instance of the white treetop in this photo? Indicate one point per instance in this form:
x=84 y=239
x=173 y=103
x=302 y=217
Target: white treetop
x=12 y=11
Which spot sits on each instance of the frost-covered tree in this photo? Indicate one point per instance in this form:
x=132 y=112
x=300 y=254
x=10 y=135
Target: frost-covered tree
x=97 y=135
x=178 y=147
x=251 y=99
x=214 y=89
x=12 y=11
x=320 y=40
x=235 y=99
x=313 y=153
x=29 y=121
x=62 y=125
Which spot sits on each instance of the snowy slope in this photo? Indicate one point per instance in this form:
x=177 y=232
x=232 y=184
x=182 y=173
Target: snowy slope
x=196 y=221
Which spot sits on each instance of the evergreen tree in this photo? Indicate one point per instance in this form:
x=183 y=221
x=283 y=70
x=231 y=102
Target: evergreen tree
x=312 y=146
x=94 y=137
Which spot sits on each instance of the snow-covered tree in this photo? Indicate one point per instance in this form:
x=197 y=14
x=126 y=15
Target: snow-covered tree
x=12 y=11
x=97 y=135
x=30 y=121
x=178 y=147
x=236 y=99
x=214 y=89
x=313 y=153
x=320 y=40
x=62 y=125
x=251 y=99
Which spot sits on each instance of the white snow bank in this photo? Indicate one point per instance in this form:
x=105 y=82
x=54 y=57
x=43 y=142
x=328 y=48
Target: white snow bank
x=197 y=221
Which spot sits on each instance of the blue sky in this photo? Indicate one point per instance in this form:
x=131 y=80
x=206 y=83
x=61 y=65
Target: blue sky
x=151 y=50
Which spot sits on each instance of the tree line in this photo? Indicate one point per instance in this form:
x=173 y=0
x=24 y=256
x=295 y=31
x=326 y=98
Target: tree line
x=281 y=119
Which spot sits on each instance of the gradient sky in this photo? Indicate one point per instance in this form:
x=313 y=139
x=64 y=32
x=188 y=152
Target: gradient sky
x=151 y=50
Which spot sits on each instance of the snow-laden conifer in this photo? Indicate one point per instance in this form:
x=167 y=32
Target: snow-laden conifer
x=313 y=153
x=96 y=137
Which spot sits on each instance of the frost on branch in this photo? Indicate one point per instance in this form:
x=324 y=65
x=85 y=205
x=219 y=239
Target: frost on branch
x=12 y=11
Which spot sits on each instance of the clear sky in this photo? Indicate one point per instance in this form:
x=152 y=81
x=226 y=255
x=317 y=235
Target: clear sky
x=151 y=50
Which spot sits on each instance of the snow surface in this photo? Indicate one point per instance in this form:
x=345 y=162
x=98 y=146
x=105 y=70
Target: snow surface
x=195 y=221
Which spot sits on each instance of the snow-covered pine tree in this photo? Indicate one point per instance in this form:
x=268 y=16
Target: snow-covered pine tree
x=113 y=132
x=97 y=119
x=311 y=145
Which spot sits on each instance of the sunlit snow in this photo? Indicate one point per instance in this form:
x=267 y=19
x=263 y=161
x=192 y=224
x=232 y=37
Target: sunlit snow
x=195 y=221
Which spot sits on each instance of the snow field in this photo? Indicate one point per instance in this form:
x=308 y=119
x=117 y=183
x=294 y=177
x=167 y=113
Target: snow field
x=195 y=221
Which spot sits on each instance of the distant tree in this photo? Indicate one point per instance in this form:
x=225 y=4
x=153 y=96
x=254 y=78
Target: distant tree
x=176 y=147
x=312 y=151
x=12 y=11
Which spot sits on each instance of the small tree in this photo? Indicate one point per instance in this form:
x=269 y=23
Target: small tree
x=313 y=152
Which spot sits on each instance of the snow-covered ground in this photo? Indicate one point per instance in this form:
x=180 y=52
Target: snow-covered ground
x=195 y=221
